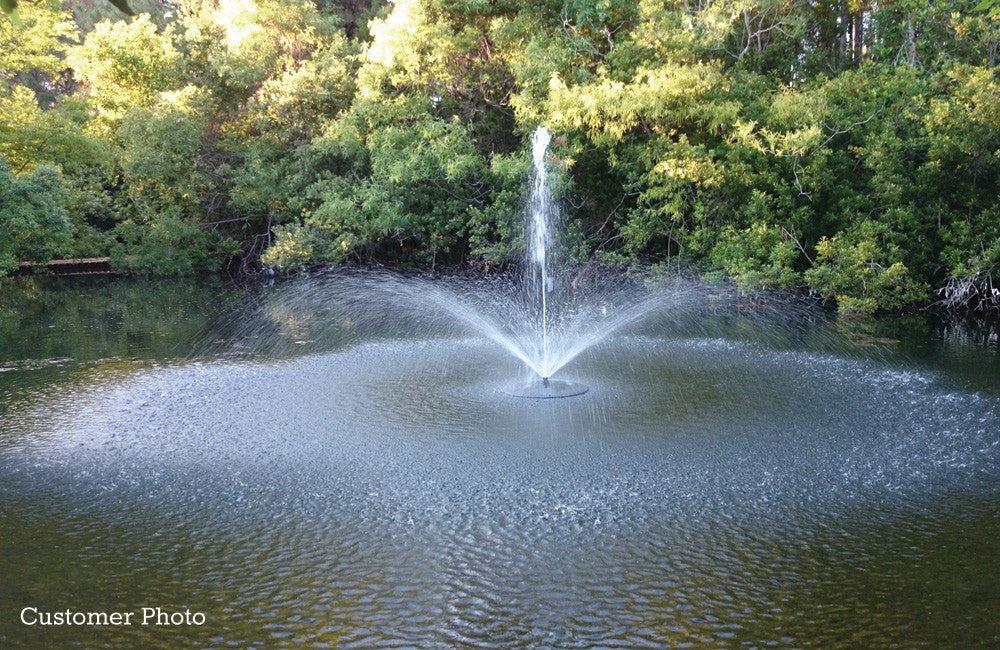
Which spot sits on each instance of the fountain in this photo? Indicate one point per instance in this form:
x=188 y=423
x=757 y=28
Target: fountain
x=538 y=316
x=541 y=272
x=536 y=319
x=332 y=464
x=545 y=316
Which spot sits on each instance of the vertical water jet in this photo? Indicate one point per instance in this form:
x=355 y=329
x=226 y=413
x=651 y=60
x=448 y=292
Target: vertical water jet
x=540 y=212
x=541 y=272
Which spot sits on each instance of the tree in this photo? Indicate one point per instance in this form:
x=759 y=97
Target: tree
x=38 y=124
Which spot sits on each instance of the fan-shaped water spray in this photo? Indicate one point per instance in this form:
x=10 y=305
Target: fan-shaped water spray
x=545 y=316
x=542 y=322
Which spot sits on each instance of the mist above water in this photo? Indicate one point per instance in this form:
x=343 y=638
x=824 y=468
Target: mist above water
x=545 y=313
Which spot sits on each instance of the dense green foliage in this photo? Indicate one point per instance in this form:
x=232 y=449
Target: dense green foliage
x=852 y=147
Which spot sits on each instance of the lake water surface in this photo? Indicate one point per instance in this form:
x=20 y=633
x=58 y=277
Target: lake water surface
x=737 y=476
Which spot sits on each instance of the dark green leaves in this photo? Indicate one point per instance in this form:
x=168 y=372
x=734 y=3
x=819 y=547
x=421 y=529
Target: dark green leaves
x=122 y=6
x=10 y=8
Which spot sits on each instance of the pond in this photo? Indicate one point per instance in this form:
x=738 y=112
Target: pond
x=274 y=458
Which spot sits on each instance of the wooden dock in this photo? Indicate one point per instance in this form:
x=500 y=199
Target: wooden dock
x=77 y=266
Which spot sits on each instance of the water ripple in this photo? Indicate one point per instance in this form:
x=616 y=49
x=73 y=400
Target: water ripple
x=390 y=495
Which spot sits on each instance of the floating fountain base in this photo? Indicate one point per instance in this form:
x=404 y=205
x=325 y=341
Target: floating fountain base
x=545 y=389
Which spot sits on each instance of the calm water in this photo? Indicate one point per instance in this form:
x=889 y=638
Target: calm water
x=304 y=473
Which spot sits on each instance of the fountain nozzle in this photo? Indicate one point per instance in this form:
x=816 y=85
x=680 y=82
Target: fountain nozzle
x=545 y=388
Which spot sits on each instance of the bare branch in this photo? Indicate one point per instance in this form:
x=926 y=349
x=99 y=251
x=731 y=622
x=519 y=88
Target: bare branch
x=790 y=235
x=843 y=131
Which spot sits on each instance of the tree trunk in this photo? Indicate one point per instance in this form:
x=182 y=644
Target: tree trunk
x=911 y=42
x=857 y=37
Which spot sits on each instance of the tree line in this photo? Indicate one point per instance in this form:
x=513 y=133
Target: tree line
x=850 y=147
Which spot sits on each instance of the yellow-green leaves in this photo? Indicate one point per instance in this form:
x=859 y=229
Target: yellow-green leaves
x=861 y=269
x=38 y=44
x=125 y=64
x=660 y=100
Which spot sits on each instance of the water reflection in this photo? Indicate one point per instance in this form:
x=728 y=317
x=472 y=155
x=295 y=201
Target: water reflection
x=311 y=475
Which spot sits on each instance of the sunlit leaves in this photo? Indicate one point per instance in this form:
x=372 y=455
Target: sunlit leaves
x=863 y=272
x=658 y=100
x=38 y=43
x=294 y=103
x=30 y=136
x=125 y=64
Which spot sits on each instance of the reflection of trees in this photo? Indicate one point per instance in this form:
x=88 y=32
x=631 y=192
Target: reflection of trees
x=975 y=332
x=87 y=319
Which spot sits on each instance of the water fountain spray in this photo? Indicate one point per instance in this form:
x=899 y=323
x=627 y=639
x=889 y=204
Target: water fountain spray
x=542 y=213
x=537 y=320
x=542 y=208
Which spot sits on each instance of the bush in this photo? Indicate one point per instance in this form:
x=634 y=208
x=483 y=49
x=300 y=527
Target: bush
x=760 y=257
x=164 y=244
x=863 y=273
x=34 y=221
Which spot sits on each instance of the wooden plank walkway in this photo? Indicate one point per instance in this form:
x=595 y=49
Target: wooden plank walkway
x=79 y=260
x=75 y=266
